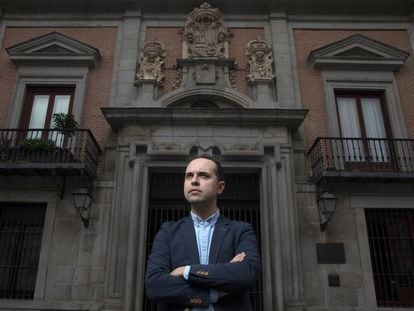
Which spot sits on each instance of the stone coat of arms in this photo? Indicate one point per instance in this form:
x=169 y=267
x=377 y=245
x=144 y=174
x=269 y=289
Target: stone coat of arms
x=152 y=62
x=260 y=60
x=204 y=34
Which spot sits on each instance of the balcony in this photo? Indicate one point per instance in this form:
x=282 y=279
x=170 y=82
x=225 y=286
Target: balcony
x=345 y=159
x=42 y=152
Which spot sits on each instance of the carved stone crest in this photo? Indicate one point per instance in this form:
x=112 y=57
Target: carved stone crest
x=260 y=60
x=152 y=62
x=204 y=34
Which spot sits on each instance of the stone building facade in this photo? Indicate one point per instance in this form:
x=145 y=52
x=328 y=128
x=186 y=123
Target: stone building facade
x=299 y=100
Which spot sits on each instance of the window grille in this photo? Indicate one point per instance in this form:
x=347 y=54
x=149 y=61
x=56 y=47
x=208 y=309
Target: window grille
x=21 y=227
x=240 y=201
x=391 y=242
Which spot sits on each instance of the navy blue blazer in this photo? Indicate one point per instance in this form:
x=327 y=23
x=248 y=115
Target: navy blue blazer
x=175 y=245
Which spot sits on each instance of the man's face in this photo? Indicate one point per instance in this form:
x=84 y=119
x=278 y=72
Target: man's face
x=201 y=184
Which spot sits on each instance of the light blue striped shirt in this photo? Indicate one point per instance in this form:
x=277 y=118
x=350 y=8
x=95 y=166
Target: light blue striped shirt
x=204 y=229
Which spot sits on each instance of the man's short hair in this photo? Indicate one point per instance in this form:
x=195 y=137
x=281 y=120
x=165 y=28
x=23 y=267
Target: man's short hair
x=219 y=168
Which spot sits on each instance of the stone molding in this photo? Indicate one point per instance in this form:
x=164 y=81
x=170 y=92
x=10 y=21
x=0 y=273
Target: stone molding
x=170 y=149
x=358 y=52
x=54 y=49
x=120 y=117
x=359 y=81
x=226 y=95
x=47 y=75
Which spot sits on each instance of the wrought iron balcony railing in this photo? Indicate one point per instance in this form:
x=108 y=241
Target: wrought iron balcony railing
x=43 y=151
x=363 y=157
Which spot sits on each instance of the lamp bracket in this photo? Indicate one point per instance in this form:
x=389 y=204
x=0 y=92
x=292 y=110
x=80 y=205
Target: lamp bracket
x=61 y=186
x=326 y=204
x=86 y=182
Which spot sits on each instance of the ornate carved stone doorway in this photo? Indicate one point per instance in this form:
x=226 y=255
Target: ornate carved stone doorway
x=155 y=140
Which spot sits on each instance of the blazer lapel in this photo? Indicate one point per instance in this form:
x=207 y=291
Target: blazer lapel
x=220 y=230
x=189 y=237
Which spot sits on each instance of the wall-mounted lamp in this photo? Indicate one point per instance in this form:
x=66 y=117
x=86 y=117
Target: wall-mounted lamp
x=82 y=200
x=326 y=207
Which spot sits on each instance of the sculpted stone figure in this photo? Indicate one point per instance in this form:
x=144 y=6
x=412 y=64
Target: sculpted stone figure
x=152 y=61
x=204 y=34
x=260 y=60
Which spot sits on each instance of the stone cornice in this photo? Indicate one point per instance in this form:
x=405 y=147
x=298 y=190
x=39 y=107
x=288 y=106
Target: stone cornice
x=387 y=7
x=120 y=117
x=124 y=116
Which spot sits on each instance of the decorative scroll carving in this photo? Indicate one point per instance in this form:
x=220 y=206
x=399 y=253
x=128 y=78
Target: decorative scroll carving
x=260 y=60
x=168 y=146
x=166 y=149
x=152 y=62
x=232 y=78
x=178 y=78
x=205 y=148
x=244 y=149
x=204 y=34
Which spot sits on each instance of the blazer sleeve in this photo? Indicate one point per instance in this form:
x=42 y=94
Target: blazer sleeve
x=163 y=287
x=231 y=277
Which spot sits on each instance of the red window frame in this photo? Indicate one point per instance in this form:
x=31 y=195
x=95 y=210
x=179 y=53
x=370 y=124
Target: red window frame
x=52 y=91
x=363 y=165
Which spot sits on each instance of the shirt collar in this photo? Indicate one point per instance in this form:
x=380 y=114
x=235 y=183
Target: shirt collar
x=211 y=220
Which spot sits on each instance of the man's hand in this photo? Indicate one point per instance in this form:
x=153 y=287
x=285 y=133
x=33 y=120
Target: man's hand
x=239 y=257
x=179 y=271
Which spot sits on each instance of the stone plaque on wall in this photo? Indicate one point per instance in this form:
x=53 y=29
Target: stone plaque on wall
x=330 y=253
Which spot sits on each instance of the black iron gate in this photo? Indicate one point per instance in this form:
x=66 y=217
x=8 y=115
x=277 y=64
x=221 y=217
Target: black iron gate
x=240 y=201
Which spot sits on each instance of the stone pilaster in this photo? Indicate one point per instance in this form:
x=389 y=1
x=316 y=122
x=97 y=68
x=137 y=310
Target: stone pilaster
x=127 y=54
x=282 y=58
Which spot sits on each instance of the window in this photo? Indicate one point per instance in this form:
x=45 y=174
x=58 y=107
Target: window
x=42 y=103
x=21 y=228
x=65 y=62
x=364 y=127
x=391 y=243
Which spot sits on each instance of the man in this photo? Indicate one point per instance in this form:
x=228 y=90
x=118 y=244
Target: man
x=204 y=261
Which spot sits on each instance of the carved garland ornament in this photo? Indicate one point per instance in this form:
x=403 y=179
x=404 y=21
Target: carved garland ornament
x=204 y=34
x=152 y=61
x=260 y=60
x=178 y=78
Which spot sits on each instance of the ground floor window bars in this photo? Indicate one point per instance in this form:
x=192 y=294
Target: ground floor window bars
x=391 y=242
x=21 y=228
